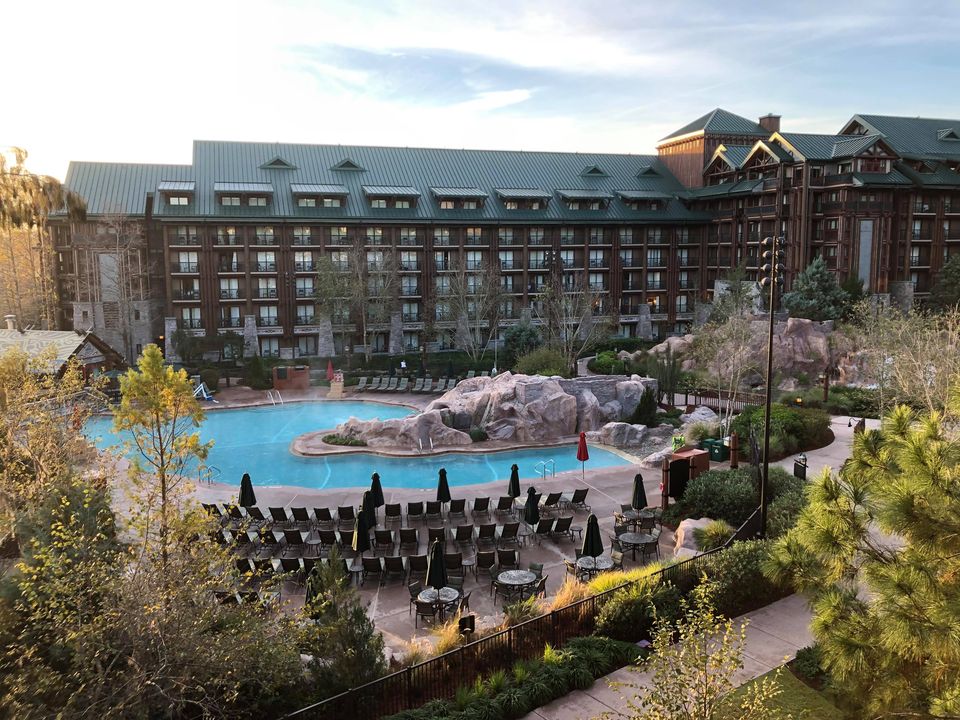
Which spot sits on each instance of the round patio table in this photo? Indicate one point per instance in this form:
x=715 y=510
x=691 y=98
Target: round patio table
x=313 y=543
x=442 y=598
x=635 y=516
x=634 y=540
x=517 y=580
x=595 y=565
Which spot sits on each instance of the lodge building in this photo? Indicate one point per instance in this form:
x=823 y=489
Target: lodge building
x=234 y=240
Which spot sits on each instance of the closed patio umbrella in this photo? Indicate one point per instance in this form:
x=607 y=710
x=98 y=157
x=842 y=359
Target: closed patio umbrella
x=443 y=489
x=531 y=513
x=376 y=490
x=592 y=542
x=436 y=568
x=369 y=510
x=582 y=454
x=247 y=497
x=639 y=501
x=513 y=487
x=361 y=534
x=329 y=370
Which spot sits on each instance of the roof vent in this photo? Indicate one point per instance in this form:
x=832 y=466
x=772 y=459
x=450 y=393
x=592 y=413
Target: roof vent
x=947 y=134
x=593 y=171
x=347 y=164
x=647 y=170
x=278 y=163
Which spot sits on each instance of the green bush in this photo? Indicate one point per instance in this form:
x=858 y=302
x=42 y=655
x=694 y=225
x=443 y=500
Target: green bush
x=792 y=429
x=607 y=363
x=809 y=663
x=646 y=410
x=334 y=439
x=713 y=535
x=741 y=585
x=630 y=613
x=616 y=344
x=728 y=495
x=211 y=378
x=520 y=339
x=478 y=434
x=700 y=431
x=542 y=361
x=256 y=375
x=783 y=512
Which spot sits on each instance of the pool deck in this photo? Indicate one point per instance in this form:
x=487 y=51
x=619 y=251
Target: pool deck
x=239 y=396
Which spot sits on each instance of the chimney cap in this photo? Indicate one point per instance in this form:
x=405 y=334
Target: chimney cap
x=770 y=115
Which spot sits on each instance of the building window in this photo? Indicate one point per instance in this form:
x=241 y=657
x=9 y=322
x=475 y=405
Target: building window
x=270 y=346
x=596 y=236
x=226 y=235
x=306 y=202
x=190 y=318
x=469 y=204
x=626 y=235
x=306 y=345
x=598 y=259
x=446 y=204
x=411 y=341
x=375 y=260
x=305 y=287
x=338 y=235
x=266 y=287
x=505 y=235
x=136 y=315
x=567 y=236
x=409 y=260
x=228 y=200
x=474 y=260
x=443 y=286
x=178 y=200
x=511 y=205
x=408 y=236
x=538 y=260
x=655 y=281
x=654 y=234
x=410 y=312
x=409 y=285
x=566 y=258
x=506 y=283
x=257 y=201
x=402 y=204
x=229 y=289
x=303 y=261
x=474 y=235
x=84 y=315
x=264 y=234
x=597 y=281
x=375 y=235
x=378 y=203
x=441 y=236
x=340 y=260
x=536 y=235
x=506 y=259
x=683 y=235
x=441 y=309
x=301 y=235
x=266 y=262
x=332 y=202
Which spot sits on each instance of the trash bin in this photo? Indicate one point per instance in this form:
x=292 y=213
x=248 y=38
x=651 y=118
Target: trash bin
x=718 y=451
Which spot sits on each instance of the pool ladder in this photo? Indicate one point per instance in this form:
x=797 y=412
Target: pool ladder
x=545 y=466
x=273 y=399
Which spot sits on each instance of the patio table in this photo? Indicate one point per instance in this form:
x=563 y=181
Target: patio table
x=634 y=540
x=442 y=598
x=517 y=580
x=592 y=566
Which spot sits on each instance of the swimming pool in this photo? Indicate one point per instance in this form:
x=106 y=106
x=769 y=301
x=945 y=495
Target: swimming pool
x=257 y=440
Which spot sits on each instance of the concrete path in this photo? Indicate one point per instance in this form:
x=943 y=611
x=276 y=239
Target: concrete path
x=774 y=634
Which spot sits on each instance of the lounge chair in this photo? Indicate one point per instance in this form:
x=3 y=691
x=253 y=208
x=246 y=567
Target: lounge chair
x=505 y=507
x=507 y=560
x=552 y=503
x=256 y=518
x=279 y=516
x=409 y=541
x=563 y=528
x=440 y=386
x=579 y=499
x=393 y=513
x=471 y=374
x=486 y=562
x=463 y=535
x=374 y=385
x=414 y=511
x=294 y=543
x=417 y=567
x=436 y=535
x=324 y=518
x=394 y=566
x=371 y=566
x=487 y=536
x=328 y=539
x=418 y=385
x=346 y=516
x=361 y=386
x=301 y=518
x=391 y=385
x=383 y=540
x=427 y=383
x=454 y=563
x=509 y=535
x=434 y=511
x=485 y=373
x=457 y=509
x=481 y=508
x=544 y=528
x=404 y=383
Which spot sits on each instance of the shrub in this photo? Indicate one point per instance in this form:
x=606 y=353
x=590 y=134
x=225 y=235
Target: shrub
x=255 y=374
x=447 y=635
x=740 y=583
x=570 y=592
x=542 y=361
x=610 y=580
x=211 y=378
x=520 y=339
x=783 y=512
x=334 y=439
x=728 y=495
x=616 y=344
x=808 y=663
x=700 y=431
x=713 y=535
x=630 y=613
x=792 y=429
x=607 y=363
x=478 y=434
x=646 y=410
x=521 y=611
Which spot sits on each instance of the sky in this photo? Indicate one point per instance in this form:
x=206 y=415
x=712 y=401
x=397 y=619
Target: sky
x=138 y=82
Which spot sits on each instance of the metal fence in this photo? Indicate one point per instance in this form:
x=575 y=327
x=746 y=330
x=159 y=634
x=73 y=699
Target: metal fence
x=717 y=401
x=439 y=677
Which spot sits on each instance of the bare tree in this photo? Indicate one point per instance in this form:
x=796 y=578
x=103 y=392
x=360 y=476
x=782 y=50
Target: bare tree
x=725 y=350
x=369 y=284
x=476 y=298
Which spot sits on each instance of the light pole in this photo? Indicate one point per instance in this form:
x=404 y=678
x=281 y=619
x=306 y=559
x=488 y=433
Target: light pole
x=772 y=272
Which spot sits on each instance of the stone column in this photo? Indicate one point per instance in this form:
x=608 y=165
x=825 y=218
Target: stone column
x=395 y=343
x=250 y=345
x=644 y=325
x=325 y=346
x=901 y=295
x=169 y=328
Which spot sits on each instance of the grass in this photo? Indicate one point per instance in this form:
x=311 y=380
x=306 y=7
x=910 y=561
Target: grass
x=798 y=699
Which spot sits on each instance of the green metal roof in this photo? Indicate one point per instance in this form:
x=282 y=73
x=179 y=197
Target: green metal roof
x=397 y=171
x=914 y=137
x=242 y=187
x=317 y=189
x=894 y=177
x=720 y=122
x=941 y=175
x=644 y=195
x=584 y=194
x=851 y=146
x=743 y=187
x=176 y=186
x=829 y=147
x=441 y=192
x=390 y=191
x=734 y=155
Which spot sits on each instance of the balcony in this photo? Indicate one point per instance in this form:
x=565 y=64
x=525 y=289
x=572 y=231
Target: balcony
x=475 y=241
x=629 y=261
x=629 y=309
x=925 y=235
x=410 y=241
x=268 y=321
x=596 y=286
x=185 y=267
x=341 y=266
x=917 y=261
x=656 y=262
x=410 y=266
x=442 y=242
x=760 y=210
x=688 y=260
x=410 y=317
x=230 y=267
x=924 y=208
x=507 y=240
x=230 y=322
x=266 y=267
x=598 y=263
x=687 y=284
x=304 y=320
x=265 y=240
x=265 y=293
x=305 y=266
x=507 y=288
x=508 y=265
x=231 y=294
x=567 y=263
x=305 y=292
x=185 y=240
x=538 y=264
x=190 y=324
x=186 y=294
x=598 y=241
x=570 y=241
x=537 y=240
x=656 y=285
x=228 y=240
x=305 y=240
x=655 y=239
x=408 y=290
x=630 y=286
x=441 y=265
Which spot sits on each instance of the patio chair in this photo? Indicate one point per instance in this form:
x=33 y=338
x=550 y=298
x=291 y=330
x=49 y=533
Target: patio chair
x=293 y=543
x=346 y=542
x=540 y=590
x=414 y=511
x=507 y=560
x=456 y=582
x=481 y=507
x=213 y=511
x=414 y=589
x=256 y=518
x=434 y=511
x=328 y=539
x=403 y=384
x=391 y=385
x=435 y=534
x=650 y=549
x=552 y=503
x=617 y=558
x=409 y=541
x=454 y=563
x=308 y=563
x=269 y=545
x=383 y=540
x=346 y=516
x=579 y=499
x=425 y=610
x=323 y=518
x=234 y=514
x=487 y=536
x=505 y=507
x=563 y=527
x=486 y=561
x=371 y=566
x=510 y=593
x=301 y=518
x=279 y=516
x=417 y=567
x=464 y=604
x=361 y=386
x=292 y=568
x=440 y=386
x=615 y=543
x=244 y=545
x=418 y=385
x=543 y=529
x=393 y=513
x=619 y=530
x=243 y=566
x=536 y=569
x=509 y=535
x=457 y=509
x=463 y=535
x=647 y=523
x=625 y=507
x=393 y=565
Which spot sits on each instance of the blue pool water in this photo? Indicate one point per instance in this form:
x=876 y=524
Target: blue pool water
x=257 y=441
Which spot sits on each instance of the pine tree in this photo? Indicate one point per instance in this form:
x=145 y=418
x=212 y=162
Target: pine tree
x=945 y=294
x=877 y=550
x=815 y=294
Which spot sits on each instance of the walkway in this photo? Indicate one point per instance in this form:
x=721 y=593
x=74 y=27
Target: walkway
x=774 y=634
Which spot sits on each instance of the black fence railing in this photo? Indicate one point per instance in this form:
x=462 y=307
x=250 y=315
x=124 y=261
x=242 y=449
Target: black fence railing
x=439 y=677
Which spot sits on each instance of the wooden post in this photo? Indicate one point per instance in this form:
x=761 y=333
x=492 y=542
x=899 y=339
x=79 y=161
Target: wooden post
x=665 y=484
x=734 y=451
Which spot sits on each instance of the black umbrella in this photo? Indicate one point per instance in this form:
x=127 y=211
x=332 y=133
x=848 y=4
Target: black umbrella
x=361 y=534
x=592 y=542
x=368 y=510
x=247 y=496
x=531 y=513
x=443 y=489
x=376 y=490
x=513 y=488
x=436 y=568
x=639 y=493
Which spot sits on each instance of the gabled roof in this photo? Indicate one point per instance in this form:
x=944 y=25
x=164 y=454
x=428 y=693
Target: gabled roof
x=348 y=165
x=813 y=147
x=771 y=148
x=62 y=344
x=719 y=122
x=851 y=146
x=733 y=155
x=941 y=175
x=911 y=137
x=593 y=171
x=277 y=163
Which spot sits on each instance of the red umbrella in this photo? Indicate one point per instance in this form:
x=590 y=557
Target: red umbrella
x=329 y=370
x=582 y=454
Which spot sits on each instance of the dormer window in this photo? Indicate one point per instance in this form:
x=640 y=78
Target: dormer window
x=177 y=192
x=257 y=201
x=178 y=200
x=402 y=204
x=391 y=196
x=312 y=195
x=446 y=204
x=378 y=203
x=306 y=202
x=469 y=204
x=585 y=199
x=230 y=200
x=234 y=194
x=523 y=198
x=459 y=198
x=511 y=205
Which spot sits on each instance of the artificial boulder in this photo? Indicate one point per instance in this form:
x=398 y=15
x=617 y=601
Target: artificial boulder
x=685 y=544
x=702 y=414
x=411 y=432
x=620 y=434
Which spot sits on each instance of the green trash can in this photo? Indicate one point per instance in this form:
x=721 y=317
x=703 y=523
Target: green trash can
x=718 y=451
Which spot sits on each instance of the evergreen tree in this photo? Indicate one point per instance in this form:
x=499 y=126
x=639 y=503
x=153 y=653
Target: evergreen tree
x=816 y=294
x=945 y=294
x=877 y=549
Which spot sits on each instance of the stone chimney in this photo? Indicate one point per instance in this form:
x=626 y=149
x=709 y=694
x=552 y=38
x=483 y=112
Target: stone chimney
x=770 y=122
x=11 y=321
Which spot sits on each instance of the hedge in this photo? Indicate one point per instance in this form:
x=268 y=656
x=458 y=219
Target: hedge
x=792 y=429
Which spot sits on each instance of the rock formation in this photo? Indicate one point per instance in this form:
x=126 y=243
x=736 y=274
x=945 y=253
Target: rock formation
x=406 y=432
x=685 y=545
x=619 y=434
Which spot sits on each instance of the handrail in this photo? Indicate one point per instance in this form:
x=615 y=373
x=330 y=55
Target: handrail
x=279 y=396
x=542 y=466
x=270 y=397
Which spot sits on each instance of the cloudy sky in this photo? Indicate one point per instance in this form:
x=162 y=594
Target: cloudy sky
x=137 y=82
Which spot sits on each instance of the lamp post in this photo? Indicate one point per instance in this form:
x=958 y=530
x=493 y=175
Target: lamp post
x=772 y=272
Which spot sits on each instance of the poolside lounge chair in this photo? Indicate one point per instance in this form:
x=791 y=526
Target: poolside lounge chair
x=346 y=515
x=383 y=540
x=418 y=385
x=279 y=516
x=485 y=373
x=505 y=507
x=269 y=545
x=393 y=513
x=402 y=387
x=414 y=511
x=457 y=509
x=328 y=539
x=437 y=535
x=301 y=518
x=346 y=542
x=471 y=374
x=293 y=543
x=486 y=562
x=464 y=535
x=552 y=503
x=409 y=541
x=391 y=385
x=427 y=383
x=323 y=518
x=454 y=563
x=393 y=565
x=417 y=567
x=579 y=499
x=487 y=536
x=361 y=386
x=563 y=528
x=374 y=384
x=544 y=528
x=371 y=566
x=481 y=508
x=256 y=518
x=434 y=511
x=509 y=535
x=440 y=386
